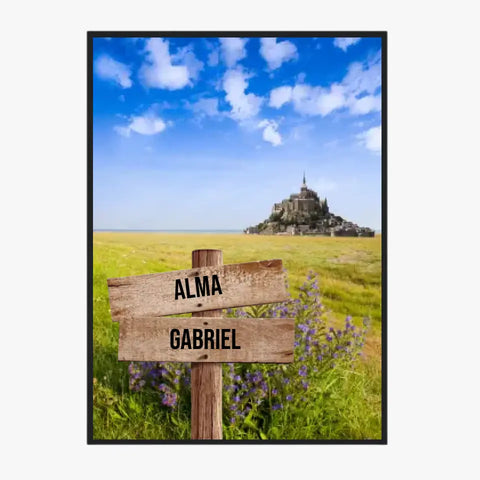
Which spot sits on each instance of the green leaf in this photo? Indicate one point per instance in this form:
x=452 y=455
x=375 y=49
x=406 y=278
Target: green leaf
x=249 y=422
x=115 y=415
x=122 y=411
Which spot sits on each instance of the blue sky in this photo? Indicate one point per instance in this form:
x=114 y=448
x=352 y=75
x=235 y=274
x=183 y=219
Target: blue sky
x=208 y=133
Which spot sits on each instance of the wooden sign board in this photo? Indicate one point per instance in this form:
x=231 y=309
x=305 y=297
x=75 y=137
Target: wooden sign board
x=197 y=290
x=207 y=339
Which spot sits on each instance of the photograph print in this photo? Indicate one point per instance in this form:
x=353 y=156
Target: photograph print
x=237 y=237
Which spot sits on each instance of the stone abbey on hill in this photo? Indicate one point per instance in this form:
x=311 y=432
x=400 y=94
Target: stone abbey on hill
x=305 y=213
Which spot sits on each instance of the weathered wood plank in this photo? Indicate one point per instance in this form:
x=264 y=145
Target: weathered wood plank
x=261 y=340
x=241 y=284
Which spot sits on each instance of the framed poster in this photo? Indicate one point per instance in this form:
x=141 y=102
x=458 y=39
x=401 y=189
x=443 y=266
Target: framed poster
x=264 y=154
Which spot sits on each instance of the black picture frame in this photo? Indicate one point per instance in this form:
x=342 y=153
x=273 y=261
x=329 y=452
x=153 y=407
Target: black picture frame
x=206 y=34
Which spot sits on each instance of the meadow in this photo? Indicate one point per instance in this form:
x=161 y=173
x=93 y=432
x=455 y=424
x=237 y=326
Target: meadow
x=345 y=403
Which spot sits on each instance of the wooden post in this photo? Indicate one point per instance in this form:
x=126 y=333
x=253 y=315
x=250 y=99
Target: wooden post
x=206 y=383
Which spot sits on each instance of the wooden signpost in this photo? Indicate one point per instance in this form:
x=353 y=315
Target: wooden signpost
x=140 y=304
x=197 y=290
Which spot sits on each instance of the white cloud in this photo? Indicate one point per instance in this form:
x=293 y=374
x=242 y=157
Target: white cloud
x=301 y=77
x=244 y=105
x=309 y=100
x=109 y=69
x=214 y=53
x=356 y=92
x=233 y=50
x=279 y=96
x=270 y=132
x=345 y=42
x=366 y=77
x=332 y=99
x=372 y=138
x=206 y=107
x=147 y=124
x=171 y=72
x=324 y=101
x=185 y=55
x=275 y=53
x=366 y=104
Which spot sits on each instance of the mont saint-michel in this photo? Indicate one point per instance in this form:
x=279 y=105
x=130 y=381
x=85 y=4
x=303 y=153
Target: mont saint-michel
x=305 y=213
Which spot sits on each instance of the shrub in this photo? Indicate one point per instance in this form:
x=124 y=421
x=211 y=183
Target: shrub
x=276 y=217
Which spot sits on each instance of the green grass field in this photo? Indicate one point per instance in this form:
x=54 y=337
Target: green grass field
x=349 y=270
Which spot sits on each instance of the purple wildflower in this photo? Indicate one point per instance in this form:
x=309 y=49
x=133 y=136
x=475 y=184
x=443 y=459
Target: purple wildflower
x=170 y=399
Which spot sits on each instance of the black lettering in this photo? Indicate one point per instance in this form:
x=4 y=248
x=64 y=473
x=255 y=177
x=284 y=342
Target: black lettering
x=216 y=285
x=225 y=339
x=217 y=338
x=187 y=288
x=178 y=289
x=209 y=335
x=234 y=346
x=174 y=338
x=197 y=339
x=186 y=339
x=202 y=289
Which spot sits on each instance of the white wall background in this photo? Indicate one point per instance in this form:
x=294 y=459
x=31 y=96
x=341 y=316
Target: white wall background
x=433 y=241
